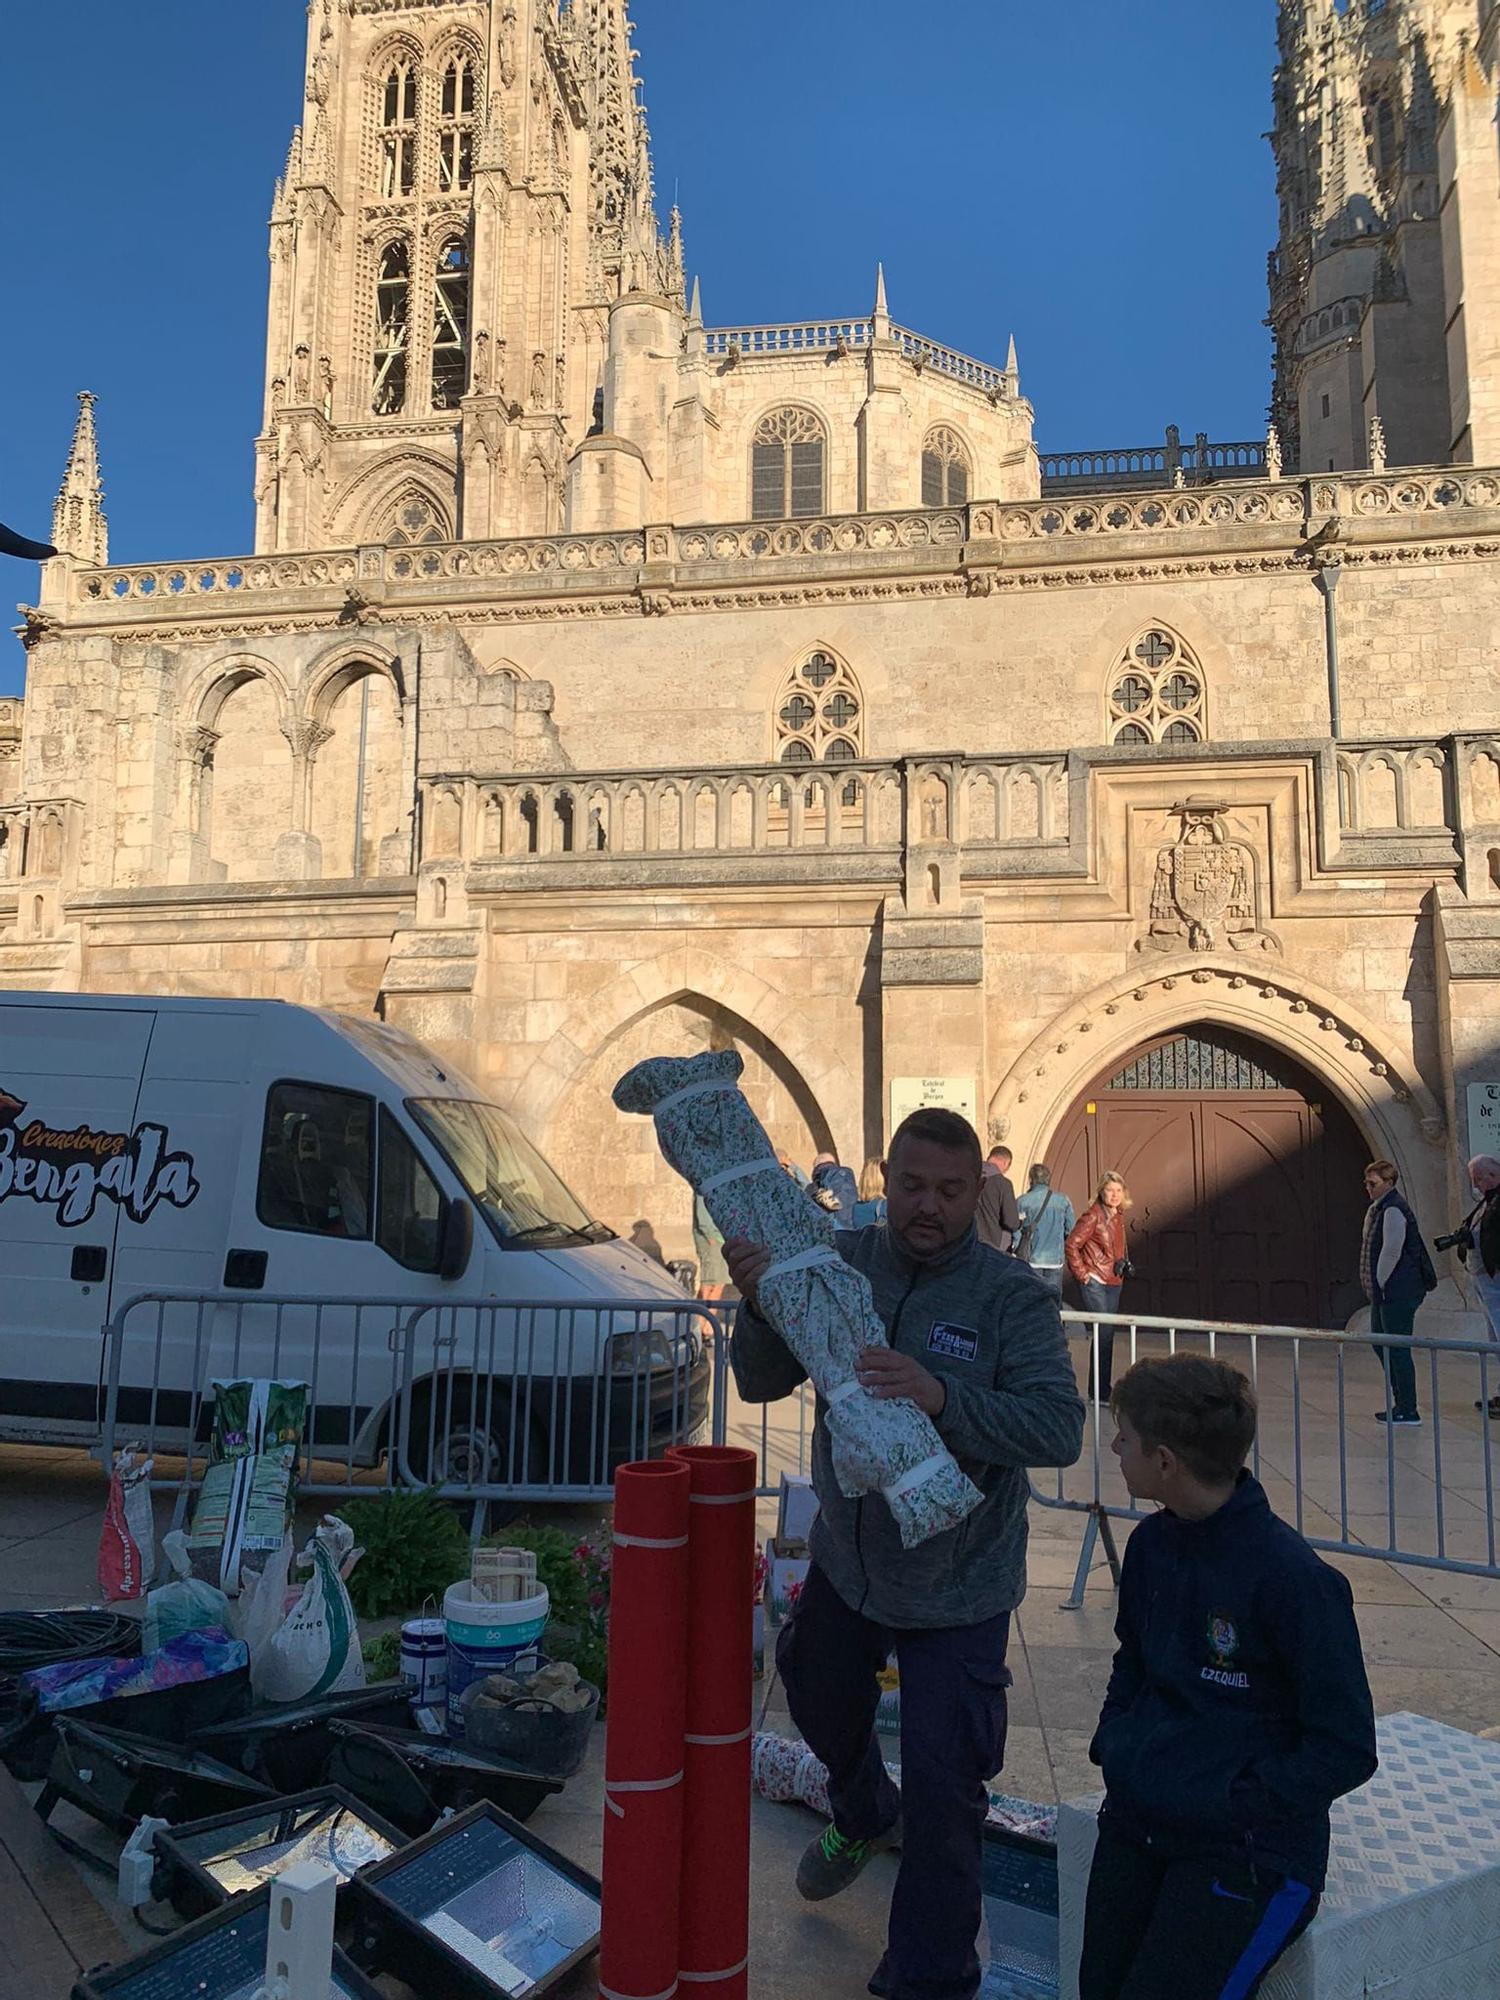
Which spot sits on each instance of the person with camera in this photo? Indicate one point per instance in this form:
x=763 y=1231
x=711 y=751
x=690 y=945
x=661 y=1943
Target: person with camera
x=1478 y=1235
x=1097 y=1258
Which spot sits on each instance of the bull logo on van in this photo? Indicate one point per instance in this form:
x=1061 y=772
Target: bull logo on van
x=70 y=1170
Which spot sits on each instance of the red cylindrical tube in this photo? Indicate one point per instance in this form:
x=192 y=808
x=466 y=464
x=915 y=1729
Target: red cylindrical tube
x=715 y=1916
x=643 y=1745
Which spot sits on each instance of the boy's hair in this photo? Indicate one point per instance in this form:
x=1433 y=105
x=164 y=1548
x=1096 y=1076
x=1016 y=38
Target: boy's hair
x=1200 y=1408
x=940 y=1128
x=1385 y=1170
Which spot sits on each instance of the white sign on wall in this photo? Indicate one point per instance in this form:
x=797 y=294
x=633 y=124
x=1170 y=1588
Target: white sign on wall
x=1484 y=1118
x=943 y=1093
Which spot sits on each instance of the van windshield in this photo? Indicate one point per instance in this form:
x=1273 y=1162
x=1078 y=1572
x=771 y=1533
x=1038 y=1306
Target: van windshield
x=519 y=1195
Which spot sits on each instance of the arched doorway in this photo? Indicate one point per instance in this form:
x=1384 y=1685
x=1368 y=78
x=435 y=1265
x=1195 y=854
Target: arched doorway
x=1245 y=1175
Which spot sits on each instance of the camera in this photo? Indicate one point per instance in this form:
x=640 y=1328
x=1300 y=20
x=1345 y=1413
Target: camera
x=1124 y=1268
x=1460 y=1239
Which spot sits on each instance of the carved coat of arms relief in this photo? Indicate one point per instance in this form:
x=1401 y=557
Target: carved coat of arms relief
x=1206 y=888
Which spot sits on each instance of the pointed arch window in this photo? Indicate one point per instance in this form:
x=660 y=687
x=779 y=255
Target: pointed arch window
x=415 y=523
x=450 y=325
x=392 y=329
x=1157 y=692
x=945 y=469
x=787 y=461
x=820 y=717
x=398 y=130
x=456 y=125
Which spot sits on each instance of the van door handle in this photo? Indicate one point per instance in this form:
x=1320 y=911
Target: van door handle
x=90 y=1264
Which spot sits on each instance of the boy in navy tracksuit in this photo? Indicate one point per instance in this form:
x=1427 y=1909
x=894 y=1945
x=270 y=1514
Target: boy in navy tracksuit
x=1237 y=1712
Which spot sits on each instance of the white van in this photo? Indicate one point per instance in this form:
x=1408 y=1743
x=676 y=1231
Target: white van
x=221 y=1159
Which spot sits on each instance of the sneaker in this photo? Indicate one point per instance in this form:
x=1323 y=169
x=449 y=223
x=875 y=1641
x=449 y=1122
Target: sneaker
x=1491 y=1408
x=1398 y=1416
x=833 y=1862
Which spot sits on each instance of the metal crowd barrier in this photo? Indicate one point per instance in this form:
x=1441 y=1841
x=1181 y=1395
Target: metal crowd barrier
x=539 y=1401
x=534 y=1400
x=1351 y=1485
x=1342 y=1478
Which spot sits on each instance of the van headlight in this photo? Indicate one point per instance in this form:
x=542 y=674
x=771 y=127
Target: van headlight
x=640 y=1352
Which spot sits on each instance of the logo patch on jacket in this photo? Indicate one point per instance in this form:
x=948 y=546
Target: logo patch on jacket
x=959 y=1343
x=1223 y=1644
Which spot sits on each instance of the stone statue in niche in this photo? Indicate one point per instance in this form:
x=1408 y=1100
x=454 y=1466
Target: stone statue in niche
x=538 y=381
x=1205 y=887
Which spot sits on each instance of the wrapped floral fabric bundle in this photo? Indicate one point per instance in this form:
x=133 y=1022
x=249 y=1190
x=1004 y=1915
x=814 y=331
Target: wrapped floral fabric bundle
x=787 y=1773
x=822 y=1309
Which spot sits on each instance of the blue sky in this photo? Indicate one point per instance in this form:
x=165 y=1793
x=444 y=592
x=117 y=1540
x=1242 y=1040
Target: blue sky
x=1090 y=176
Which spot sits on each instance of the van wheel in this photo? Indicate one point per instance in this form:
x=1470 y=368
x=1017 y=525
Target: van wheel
x=471 y=1456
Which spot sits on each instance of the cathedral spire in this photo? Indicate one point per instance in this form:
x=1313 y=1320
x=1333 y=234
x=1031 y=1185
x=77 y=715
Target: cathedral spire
x=676 y=263
x=626 y=252
x=78 y=524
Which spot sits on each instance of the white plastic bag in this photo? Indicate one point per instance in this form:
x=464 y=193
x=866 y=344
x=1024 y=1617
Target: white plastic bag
x=316 y=1650
x=257 y=1614
x=127 y=1541
x=187 y=1604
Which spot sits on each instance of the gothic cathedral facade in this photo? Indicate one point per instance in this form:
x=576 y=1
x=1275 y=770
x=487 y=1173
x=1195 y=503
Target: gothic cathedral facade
x=603 y=682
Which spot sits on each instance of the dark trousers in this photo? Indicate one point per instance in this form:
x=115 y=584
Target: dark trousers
x=1199 y=1929
x=1391 y=1316
x=1051 y=1276
x=953 y=1715
x=1101 y=1298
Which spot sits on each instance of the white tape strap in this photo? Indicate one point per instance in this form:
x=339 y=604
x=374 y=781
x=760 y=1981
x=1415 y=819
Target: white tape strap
x=608 y=1992
x=808 y=1261
x=918 y=1475
x=745 y=1173
x=844 y=1391
x=719 y=1500
x=648 y=1542
x=706 y=1978
x=720 y=1742
x=693 y=1090
x=637 y=1785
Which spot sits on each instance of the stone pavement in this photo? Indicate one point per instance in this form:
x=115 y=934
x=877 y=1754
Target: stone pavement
x=1432 y=1642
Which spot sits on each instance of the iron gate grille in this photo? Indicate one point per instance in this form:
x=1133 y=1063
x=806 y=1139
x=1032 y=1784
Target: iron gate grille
x=1201 y=1062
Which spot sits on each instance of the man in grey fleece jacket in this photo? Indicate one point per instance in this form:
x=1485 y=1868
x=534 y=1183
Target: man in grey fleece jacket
x=975 y=1341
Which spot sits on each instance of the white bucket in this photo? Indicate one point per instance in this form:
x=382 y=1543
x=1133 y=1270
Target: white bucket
x=424 y=1661
x=486 y=1639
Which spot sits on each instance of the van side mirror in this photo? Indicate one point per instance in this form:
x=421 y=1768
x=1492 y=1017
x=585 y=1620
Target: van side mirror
x=457 y=1242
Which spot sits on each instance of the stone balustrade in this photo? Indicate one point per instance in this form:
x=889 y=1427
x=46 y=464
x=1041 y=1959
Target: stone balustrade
x=867 y=807
x=651 y=561
x=837 y=336
x=1016 y=815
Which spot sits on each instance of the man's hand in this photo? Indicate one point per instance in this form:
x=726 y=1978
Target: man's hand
x=889 y=1375
x=748 y=1263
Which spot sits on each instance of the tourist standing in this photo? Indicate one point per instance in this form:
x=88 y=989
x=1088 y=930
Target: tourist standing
x=1397 y=1273
x=1483 y=1224
x=869 y=1210
x=708 y=1244
x=1096 y=1257
x=829 y=1179
x=1047 y=1221
x=997 y=1218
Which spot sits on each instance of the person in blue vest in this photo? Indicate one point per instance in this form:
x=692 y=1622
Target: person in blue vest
x=1397 y=1274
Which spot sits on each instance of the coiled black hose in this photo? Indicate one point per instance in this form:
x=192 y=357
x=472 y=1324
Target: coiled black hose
x=46 y=1638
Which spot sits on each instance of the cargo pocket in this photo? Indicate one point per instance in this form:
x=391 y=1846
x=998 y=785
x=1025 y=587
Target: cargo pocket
x=987 y=1686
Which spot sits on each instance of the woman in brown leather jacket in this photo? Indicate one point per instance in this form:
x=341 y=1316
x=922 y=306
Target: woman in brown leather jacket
x=1096 y=1257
